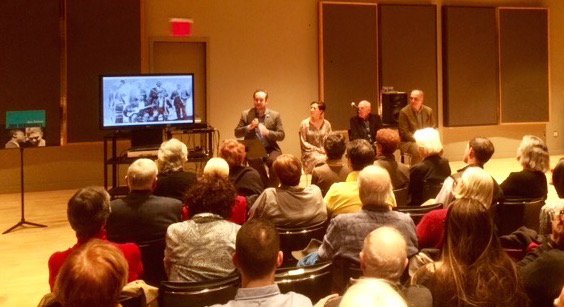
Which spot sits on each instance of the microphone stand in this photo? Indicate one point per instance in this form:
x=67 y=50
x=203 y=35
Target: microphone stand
x=22 y=221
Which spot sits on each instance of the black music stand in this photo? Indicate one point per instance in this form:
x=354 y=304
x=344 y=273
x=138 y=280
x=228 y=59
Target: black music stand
x=22 y=221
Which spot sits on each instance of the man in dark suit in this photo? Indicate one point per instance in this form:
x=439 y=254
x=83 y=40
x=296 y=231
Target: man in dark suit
x=266 y=126
x=365 y=124
x=413 y=117
x=141 y=217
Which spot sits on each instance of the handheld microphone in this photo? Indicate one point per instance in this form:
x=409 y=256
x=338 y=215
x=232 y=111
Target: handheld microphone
x=353 y=105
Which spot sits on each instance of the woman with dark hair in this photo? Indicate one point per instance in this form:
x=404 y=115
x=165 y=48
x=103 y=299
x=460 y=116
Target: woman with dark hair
x=313 y=131
x=201 y=248
x=531 y=182
x=473 y=270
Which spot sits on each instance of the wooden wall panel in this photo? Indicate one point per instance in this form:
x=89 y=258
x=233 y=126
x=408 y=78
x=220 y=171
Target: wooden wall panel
x=30 y=61
x=524 y=65
x=408 y=49
x=104 y=37
x=349 y=58
x=470 y=66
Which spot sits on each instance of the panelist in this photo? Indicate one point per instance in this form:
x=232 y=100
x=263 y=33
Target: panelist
x=413 y=117
x=265 y=125
x=365 y=124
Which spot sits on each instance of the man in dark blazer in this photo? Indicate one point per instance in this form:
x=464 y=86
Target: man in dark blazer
x=264 y=125
x=141 y=217
x=413 y=117
x=365 y=124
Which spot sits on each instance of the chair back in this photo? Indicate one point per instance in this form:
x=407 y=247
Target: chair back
x=311 y=281
x=416 y=213
x=430 y=189
x=178 y=294
x=152 y=255
x=343 y=270
x=511 y=214
x=293 y=239
x=402 y=196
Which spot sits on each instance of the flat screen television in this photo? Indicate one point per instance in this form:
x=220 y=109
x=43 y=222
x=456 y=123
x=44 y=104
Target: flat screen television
x=130 y=102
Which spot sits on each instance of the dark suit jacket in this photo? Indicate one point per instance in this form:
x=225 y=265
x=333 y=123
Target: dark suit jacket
x=174 y=184
x=326 y=174
x=272 y=122
x=408 y=122
x=358 y=131
x=142 y=217
x=431 y=171
x=399 y=172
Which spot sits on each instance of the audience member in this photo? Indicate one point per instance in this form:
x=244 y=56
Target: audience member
x=558 y=178
x=141 y=216
x=556 y=204
x=346 y=232
x=384 y=255
x=246 y=179
x=87 y=211
x=334 y=169
x=473 y=270
x=92 y=276
x=172 y=180
x=342 y=197
x=432 y=171
x=257 y=255
x=372 y=292
x=530 y=183
x=313 y=132
x=478 y=151
x=542 y=270
x=474 y=183
x=265 y=125
x=17 y=139
x=217 y=167
x=413 y=117
x=387 y=141
x=290 y=205
x=200 y=248
x=365 y=124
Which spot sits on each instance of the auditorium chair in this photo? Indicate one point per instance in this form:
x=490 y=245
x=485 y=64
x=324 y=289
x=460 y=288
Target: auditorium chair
x=402 y=196
x=343 y=270
x=511 y=214
x=186 y=294
x=312 y=281
x=297 y=238
x=416 y=213
x=152 y=255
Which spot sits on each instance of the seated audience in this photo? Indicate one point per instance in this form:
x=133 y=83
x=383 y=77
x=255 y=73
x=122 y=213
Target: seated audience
x=342 y=197
x=530 y=183
x=346 y=232
x=257 y=255
x=558 y=178
x=478 y=151
x=290 y=205
x=474 y=183
x=92 y=276
x=313 y=132
x=473 y=270
x=200 y=248
x=542 y=270
x=430 y=172
x=141 y=216
x=172 y=180
x=553 y=205
x=387 y=142
x=384 y=255
x=246 y=179
x=334 y=169
x=372 y=292
x=87 y=211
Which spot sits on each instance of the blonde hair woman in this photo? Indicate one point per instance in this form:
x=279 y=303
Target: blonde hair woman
x=172 y=180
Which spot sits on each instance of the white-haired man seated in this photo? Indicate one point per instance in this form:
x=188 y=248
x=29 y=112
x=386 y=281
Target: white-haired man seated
x=141 y=216
x=346 y=232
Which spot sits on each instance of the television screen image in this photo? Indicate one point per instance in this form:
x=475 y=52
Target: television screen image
x=146 y=100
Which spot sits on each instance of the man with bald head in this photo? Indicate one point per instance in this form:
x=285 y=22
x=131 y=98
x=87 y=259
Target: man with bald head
x=141 y=216
x=365 y=124
x=346 y=232
x=413 y=117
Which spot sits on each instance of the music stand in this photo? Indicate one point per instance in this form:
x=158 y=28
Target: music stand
x=14 y=120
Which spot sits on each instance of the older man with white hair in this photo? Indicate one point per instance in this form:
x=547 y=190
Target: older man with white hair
x=346 y=232
x=140 y=216
x=365 y=124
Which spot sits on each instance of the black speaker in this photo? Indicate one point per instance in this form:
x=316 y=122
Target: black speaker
x=392 y=103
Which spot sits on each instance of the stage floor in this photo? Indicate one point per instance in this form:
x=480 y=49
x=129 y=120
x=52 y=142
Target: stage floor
x=26 y=250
